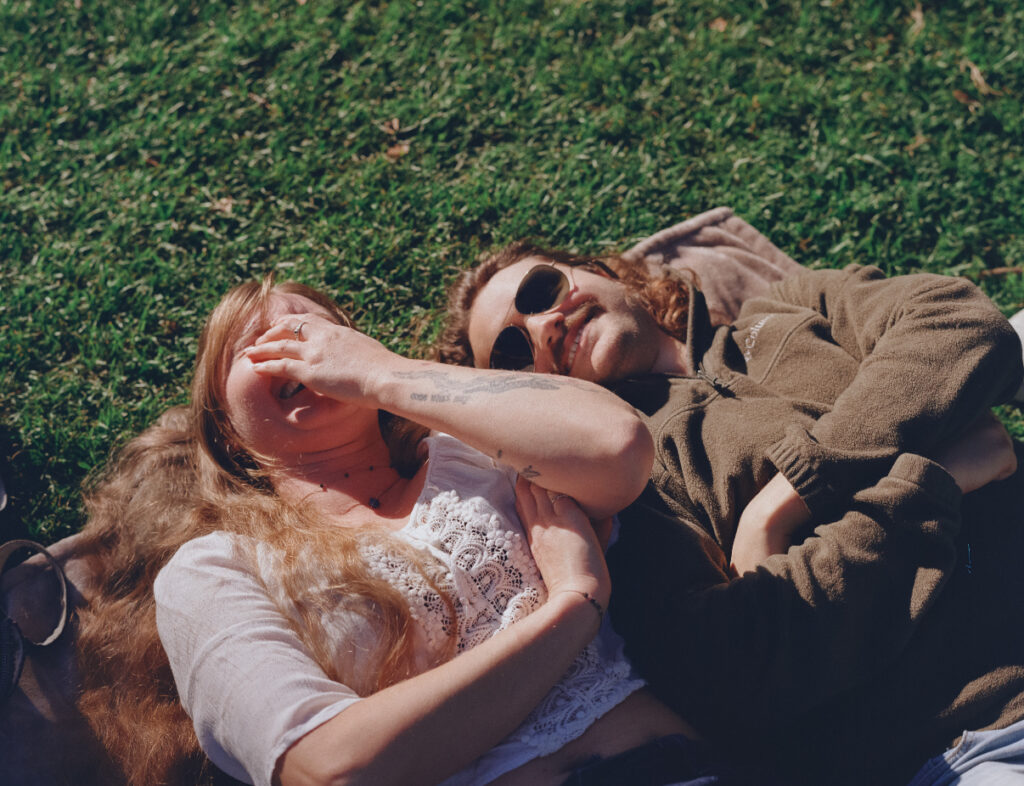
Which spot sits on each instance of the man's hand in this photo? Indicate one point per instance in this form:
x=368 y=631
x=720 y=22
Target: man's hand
x=767 y=524
x=982 y=454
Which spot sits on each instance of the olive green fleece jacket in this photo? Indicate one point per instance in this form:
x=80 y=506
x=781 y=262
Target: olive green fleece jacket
x=897 y=621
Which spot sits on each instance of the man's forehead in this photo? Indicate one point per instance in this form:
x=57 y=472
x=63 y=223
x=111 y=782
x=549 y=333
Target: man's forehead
x=514 y=273
x=501 y=287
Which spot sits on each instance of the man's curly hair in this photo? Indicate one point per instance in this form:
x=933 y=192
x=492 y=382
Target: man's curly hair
x=666 y=297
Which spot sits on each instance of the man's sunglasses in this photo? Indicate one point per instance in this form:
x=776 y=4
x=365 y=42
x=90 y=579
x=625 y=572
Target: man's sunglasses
x=541 y=289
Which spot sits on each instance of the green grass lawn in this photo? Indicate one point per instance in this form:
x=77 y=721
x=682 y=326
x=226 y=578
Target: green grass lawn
x=152 y=154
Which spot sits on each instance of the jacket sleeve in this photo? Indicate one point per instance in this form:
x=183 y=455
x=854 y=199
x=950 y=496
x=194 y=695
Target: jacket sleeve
x=764 y=648
x=934 y=353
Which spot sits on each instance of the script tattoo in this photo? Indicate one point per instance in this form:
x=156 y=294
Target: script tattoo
x=448 y=389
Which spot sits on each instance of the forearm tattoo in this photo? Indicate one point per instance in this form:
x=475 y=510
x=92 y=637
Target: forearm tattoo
x=447 y=389
x=527 y=472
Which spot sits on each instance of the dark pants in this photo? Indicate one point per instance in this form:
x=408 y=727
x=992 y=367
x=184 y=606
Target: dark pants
x=674 y=760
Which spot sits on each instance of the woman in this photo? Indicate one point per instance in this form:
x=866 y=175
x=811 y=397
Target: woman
x=366 y=612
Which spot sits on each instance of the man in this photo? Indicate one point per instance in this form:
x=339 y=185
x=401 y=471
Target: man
x=865 y=648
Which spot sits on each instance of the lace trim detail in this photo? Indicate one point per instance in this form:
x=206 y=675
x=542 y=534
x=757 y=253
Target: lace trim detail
x=483 y=564
x=591 y=687
x=494 y=582
x=425 y=605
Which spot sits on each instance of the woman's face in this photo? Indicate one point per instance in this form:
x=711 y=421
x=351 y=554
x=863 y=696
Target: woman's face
x=274 y=416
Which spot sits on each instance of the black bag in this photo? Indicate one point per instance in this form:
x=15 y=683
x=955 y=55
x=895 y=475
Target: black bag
x=12 y=638
x=44 y=740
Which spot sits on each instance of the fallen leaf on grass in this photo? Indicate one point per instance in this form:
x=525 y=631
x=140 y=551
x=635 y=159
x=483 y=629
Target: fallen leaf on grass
x=1000 y=271
x=917 y=142
x=971 y=103
x=917 y=15
x=978 y=79
x=225 y=205
x=720 y=25
x=395 y=152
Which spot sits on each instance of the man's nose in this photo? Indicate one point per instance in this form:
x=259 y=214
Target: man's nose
x=546 y=332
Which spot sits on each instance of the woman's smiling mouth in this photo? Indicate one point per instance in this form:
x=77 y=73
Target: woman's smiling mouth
x=290 y=389
x=572 y=351
x=576 y=323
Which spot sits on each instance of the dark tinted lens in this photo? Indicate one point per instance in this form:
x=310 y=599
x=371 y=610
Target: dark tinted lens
x=512 y=351
x=542 y=288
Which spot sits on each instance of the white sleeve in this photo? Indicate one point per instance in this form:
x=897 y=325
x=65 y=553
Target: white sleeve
x=245 y=678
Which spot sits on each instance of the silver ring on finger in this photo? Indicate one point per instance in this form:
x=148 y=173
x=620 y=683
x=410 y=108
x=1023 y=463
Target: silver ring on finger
x=297 y=330
x=555 y=497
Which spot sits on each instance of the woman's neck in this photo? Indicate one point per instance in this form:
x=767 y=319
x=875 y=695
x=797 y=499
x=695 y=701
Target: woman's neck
x=353 y=485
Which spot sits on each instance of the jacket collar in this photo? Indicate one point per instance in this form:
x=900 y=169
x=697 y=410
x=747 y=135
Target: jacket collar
x=699 y=331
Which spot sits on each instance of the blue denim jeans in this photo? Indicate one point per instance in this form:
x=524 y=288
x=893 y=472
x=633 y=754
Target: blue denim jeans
x=983 y=758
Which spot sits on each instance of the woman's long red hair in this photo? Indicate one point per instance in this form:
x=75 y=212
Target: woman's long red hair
x=182 y=478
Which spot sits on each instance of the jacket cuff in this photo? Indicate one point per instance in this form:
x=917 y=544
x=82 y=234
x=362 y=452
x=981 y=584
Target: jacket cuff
x=931 y=477
x=802 y=469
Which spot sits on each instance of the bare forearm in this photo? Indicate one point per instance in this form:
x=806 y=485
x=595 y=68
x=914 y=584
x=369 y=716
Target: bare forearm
x=428 y=727
x=564 y=434
x=568 y=435
x=767 y=524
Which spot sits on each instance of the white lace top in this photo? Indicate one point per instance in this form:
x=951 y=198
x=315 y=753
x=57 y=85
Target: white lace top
x=252 y=688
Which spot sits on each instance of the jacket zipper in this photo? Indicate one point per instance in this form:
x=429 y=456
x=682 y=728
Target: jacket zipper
x=713 y=381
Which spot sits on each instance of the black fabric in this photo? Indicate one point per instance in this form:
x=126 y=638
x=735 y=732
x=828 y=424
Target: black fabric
x=12 y=657
x=674 y=760
x=54 y=623
x=12 y=641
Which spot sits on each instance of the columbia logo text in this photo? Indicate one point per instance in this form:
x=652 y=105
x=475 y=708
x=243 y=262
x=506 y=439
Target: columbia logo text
x=751 y=340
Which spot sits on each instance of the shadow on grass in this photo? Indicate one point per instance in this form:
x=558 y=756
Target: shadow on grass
x=27 y=481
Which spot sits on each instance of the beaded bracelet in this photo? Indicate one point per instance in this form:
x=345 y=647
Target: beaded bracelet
x=593 y=602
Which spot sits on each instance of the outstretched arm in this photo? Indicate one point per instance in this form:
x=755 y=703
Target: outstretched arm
x=568 y=435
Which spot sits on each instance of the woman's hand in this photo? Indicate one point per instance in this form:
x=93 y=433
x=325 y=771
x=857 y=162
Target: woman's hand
x=326 y=357
x=767 y=524
x=570 y=435
x=982 y=454
x=563 y=541
x=423 y=729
